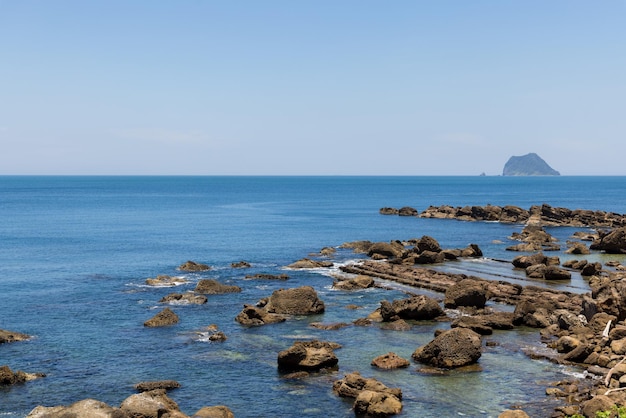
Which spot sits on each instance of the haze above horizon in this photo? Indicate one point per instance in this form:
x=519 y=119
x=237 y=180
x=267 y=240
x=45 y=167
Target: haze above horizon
x=311 y=88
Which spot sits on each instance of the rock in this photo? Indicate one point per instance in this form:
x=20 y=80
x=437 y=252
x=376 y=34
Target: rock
x=430 y=257
x=252 y=316
x=164 y=280
x=388 y=211
x=328 y=251
x=9 y=377
x=428 y=243
x=407 y=211
x=164 y=318
x=352 y=384
x=566 y=343
x=376 y=404
x=528 y=165
x=577 y=248
x=613 y=243
x=513 y=413
x=11 y=337
x=264 y=276
x=193 y=266
x=556 y=273
x=159 y=384
x=241 y=265
x=86 y=408
x=390 y=361
x=591 y=269
x=466 y=292
x=419 y=307
x=397 y=325
x=219 y=411
x=307 y=263
x=329 y=327
x=357 y=246
x=184 y=298
x=392 y=249
x=213 y=287
x=152 y=404
x=359 y=282
x=308 y=356
x=297 y=301
x=473 y=323
x=597 y=404
x=454 y=348
x=524 y=261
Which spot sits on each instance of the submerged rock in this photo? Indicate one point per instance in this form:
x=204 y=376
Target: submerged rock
x=213 y=287
x=390 y=361
x=193 y=266
x=159 y=384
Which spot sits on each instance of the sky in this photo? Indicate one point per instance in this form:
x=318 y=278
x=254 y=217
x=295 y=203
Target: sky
x=311 y=87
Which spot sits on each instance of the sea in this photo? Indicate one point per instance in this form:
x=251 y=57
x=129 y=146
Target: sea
x=75 y=253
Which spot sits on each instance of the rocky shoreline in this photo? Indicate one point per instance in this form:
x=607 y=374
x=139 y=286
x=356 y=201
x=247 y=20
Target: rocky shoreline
x=584 y=330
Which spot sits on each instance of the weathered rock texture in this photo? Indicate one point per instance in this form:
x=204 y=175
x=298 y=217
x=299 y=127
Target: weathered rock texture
x=308 y=356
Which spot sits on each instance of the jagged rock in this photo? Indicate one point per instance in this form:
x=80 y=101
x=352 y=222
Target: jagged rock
x=524 y=261
x=428 y=243
x=307 y=263
x=357 y=246
x=213 y=287
x=352 y=384
x=613 y=243
x=308 y=356
x=598 y=403
x=454 y=348
x=253 y=316
x=193 y=266
x=164 y=280
x=184 y=298
x=419 y=307
x=388 y=211
x=9 y=377
x=263 y=276
x=577 y=248
x=390 y=361
x=429 y=257
x=297 y=301
x=11 y=336
x=164 y=318
x=329 y=327
x=407 y=211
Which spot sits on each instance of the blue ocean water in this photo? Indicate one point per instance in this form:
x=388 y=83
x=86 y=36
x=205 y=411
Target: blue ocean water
x=75 y=253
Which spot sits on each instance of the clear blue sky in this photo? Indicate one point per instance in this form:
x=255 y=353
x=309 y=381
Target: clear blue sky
x=311 y=86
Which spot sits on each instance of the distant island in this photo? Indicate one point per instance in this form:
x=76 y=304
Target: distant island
x=528 y=165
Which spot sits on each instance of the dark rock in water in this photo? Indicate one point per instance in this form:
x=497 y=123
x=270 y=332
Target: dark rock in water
x=297 y=301
x=390 y=361
x=467 y=292
x=10 y=336
x=193 y=266
x=184 y=298
x=219 y=411
x=613 y=243
x=159 y=384
x=241 y=265
x=419 y=307
x=213 y=287
x=252 y=316
x=307 y=263
x=162 y=319
x=528 y=165
x=372 y=398
x=9 y=377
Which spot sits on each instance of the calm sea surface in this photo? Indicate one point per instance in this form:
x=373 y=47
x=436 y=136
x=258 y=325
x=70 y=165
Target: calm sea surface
x=75 y=253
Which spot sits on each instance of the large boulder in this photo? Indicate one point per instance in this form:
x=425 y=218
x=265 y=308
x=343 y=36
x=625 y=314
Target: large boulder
x=218 y=411
x=308 y=356
x=376 y=404
x=352 y=384
x=613 y=243
x=252 y=316
x=467 y=292
x=392 y=249
x=164 y=318
x=10 y=336
x=213 y=287
x=418 y=307
x=151 y=404
x=428 y=243
x=296 y=301
x=359 y=282
x=454 y=348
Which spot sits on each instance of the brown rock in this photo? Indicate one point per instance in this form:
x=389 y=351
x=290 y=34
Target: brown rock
x=307 y=263
x=86 y=408
x=252 y=316
x=376 y=404
x=390 y=361
x=466 y=292
x=308 y=356
x=164 y=280
x=513 y=413
x=10 y=336
x=297 y=301
x=454 y=348
x=152 y=404
x=419 y=307
x=163 y=318
x=219 y=411
x=213 y=287
x=193 y=266
x=158 y=384
x=184 y=298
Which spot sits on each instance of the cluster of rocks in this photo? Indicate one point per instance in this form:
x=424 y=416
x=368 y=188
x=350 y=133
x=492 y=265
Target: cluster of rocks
x=543 y=214
x=425 y=250
x=7 y=376
x=151 y=402
x=282 y=304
